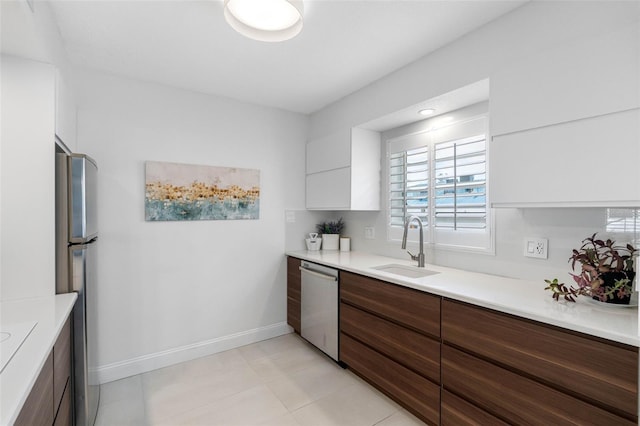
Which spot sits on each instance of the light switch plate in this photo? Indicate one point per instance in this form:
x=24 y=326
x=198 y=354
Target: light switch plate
x=536 y=247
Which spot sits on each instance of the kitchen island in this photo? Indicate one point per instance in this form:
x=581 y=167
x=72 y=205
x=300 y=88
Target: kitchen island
x=478 y=346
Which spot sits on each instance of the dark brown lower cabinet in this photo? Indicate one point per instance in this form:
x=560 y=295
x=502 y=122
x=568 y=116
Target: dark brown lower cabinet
x=515 y=398
x=38 y=408
x=64 y=415
x=526 y=372
x=413 y=350
x=456 y=411
x=62 y=375
x=293 y=293
x=416 y=393
x=452 y=363
x=49 y=402
x=389 y=335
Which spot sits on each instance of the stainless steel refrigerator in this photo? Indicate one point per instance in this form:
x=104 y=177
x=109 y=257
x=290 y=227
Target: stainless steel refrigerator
x=76 y=240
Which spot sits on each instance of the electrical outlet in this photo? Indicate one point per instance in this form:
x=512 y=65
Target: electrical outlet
x=369 y=232
x=536 y=247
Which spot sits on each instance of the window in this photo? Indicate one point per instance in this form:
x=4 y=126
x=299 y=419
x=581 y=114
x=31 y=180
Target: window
x=409 y=185
x=623 y=220
x=441 y=177
x=460 y=183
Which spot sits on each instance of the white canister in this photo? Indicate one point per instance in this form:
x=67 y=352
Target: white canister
x=345 y=244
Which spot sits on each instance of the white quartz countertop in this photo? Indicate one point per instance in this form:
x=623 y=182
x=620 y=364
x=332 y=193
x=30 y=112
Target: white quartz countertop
x=19 y=375
x=526 y=299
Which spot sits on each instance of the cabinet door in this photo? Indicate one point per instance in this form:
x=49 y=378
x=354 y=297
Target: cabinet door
x=330 y=190
x=293 y=293
x=329 y=152
x=589 y=368
x=64 y=416
x=556 y=165
x=411 y=308
x=414 y=392
x=406 y=347
x=38 y=409
x=585 y=77
x=458 y=412
x=61 y=363
x=517 y=398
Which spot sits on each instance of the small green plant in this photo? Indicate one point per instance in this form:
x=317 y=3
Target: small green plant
x=606 y=272
x=332 y=227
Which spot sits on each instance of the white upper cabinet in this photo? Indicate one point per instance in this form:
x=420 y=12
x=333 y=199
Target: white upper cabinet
x=585 y=78
x=584 y=163
x=66 y=113
x=565 y=125
x=343 y=171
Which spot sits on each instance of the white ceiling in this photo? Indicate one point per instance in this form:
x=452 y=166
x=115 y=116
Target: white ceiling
x=344 y=45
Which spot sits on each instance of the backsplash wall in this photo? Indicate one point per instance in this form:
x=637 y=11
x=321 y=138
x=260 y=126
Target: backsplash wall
x=565 y=228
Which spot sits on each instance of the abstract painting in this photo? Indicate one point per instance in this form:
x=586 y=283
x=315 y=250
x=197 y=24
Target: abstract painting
x=191 y=192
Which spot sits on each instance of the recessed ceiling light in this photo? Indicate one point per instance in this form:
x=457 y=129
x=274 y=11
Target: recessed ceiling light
x=265 y=20
x=426 y=111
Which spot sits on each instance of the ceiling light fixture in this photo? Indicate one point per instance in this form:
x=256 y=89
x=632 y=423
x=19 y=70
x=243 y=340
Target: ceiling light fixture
x=426 y=111
x=265 y=20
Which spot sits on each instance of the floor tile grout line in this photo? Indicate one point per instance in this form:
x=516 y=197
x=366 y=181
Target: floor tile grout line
x=264 y=381
x=214 y=402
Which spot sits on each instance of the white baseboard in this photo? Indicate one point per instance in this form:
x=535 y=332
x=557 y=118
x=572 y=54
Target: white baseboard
x=119 y=370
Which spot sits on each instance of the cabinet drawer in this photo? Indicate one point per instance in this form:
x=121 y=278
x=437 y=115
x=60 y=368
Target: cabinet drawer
x=414 y=392
x=516 y=398
x=577 y=364
x=458 y=412
x=38 y=408
x=63 y=418
x=411 y=308
x=411 y=349
x=61 y=362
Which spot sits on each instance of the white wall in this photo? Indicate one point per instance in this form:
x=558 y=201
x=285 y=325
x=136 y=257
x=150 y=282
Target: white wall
x=170 y=291
x=529 y=30
x=32 y=53
x=534 y=30
x=27 y=265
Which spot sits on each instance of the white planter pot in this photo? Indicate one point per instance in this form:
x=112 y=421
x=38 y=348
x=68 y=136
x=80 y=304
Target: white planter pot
x=330 y=241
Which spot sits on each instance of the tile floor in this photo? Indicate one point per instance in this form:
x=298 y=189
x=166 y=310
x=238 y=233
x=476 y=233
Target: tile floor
x=279 y=382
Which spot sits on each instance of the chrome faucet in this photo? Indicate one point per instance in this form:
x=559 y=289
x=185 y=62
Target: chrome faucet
x=420 y=256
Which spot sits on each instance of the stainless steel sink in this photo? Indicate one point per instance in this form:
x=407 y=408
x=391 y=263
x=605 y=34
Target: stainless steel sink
x=405 y=271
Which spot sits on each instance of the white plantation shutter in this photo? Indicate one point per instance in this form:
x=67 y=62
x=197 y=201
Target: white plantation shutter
x=441 y=177
x=460 y=183
x=409 y=185
x=623 y=220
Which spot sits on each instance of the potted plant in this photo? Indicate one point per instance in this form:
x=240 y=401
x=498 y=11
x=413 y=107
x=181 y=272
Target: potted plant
x=330 y=234
x=606 y=272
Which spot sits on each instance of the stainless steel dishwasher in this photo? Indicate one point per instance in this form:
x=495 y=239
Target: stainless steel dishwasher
x=319 y=306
